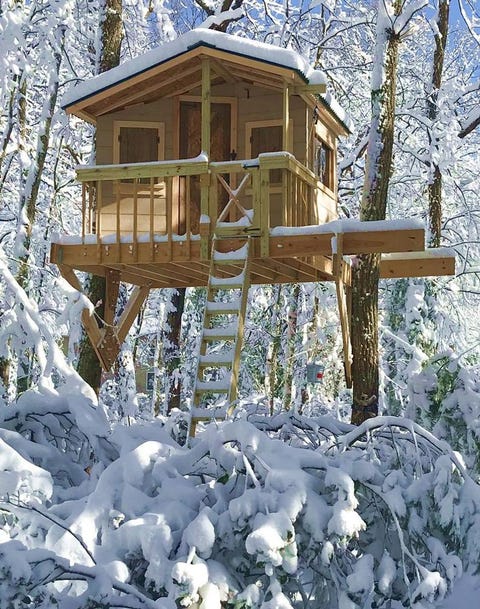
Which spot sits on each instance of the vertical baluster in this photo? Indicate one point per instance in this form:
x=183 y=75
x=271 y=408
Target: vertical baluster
x=152 y=218
x=99 y=220
x=135 y=219
x=117 y=199
x=169 y=214
x=84 y=209
x=188 y=214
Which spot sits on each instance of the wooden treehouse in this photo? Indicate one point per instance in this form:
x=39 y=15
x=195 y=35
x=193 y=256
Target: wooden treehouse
x=216 y=166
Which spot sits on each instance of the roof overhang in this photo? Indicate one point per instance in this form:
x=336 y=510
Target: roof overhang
x=175 y=68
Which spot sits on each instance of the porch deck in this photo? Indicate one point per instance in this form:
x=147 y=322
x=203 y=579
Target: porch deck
x=152 y=224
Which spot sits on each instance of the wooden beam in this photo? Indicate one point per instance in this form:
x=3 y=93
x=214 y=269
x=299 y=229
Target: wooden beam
x=343 y=309
x=140 y=92
x=430 y=263
x=362 y=242
x=206 y=106
x=220 y=70
x=164 y=169
x=317 y=89
x=286 y=117
x=94 y=333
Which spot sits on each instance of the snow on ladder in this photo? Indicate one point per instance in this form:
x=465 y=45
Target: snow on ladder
x=222 y=334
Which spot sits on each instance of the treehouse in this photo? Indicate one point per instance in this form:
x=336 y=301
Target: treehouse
x=216 y=166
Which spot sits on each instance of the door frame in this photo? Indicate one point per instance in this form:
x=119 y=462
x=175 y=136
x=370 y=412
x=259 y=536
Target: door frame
x=117 y=125
x=214 y=100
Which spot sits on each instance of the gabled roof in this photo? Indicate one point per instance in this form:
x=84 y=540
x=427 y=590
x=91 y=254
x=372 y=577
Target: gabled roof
x=159 y=70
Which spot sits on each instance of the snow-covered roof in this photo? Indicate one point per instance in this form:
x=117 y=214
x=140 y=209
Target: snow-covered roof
x=235 y=45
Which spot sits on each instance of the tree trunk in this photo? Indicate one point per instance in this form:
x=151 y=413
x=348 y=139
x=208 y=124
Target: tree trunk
x=171 y=350
x=111 y=25
x=292 y=322
x=435 y=184
x=373 y=207
x=271 y=372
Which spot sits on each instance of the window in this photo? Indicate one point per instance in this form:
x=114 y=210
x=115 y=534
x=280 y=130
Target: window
x=323 y=163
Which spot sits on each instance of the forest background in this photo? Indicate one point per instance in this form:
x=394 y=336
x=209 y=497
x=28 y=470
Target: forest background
x=62 y=453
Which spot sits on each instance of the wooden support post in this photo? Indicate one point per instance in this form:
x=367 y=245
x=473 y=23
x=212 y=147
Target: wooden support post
x=112 y=286
x=343 y=308
x=286 y=118
x=206 y=109
x=265 y=214
x=205 y=235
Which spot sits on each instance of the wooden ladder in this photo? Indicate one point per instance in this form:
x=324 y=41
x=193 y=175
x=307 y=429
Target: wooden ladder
x=222 y=333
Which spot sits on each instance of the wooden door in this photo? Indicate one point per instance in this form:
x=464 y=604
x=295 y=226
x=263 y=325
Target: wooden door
x=135 y=142
x=191 y=146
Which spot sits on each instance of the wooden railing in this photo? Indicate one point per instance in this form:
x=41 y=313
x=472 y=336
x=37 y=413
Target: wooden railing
x=184 y=199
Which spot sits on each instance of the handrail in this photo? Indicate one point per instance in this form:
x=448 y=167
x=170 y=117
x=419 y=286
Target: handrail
x=167 y=186
x=180 y=167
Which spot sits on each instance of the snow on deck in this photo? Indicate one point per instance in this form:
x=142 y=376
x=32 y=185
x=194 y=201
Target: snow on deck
x=124 y=238
x=236 y=45
x=335 y=227
x=346 y=226
x=437 y=252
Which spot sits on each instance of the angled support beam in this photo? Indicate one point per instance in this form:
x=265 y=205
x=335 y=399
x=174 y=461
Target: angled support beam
x=94 y=333
x=223 y=72
x=344 y=310
x=132 y=309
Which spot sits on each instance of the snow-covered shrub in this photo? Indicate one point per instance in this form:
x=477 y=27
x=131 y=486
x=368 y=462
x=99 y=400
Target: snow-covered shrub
x=446 y=398
x=306 y=513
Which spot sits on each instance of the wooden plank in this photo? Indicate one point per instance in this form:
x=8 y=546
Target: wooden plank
x=317 y=89
x=206 y=106
x=88 y=320
x=286 y=118
x=145 y=90
x=125 y=171
x=426 y=264
x=264 y=205
x=226 y=74
x=366 y=242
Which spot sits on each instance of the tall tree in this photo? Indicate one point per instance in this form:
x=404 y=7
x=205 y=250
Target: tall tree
x=435 y=183
x=108 y=56
x=393 y=17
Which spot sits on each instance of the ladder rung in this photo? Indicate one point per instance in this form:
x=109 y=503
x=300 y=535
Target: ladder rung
x=221 y=282
x=219 y=386
x=209 y=417
x=213 y=305
x=217 y=359
x=227 y=308
x=202 y=390
x=239 y=254
x=218 y=413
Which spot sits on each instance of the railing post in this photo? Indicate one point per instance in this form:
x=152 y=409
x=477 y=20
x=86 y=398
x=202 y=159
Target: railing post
x=264 y=203
x=205 y=180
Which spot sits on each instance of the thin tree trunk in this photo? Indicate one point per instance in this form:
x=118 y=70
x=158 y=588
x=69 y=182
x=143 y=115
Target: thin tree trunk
x=373 y=207
x=111 y=25
x=271 y=373
x=290 y=346
x=435 y=184
x=171 y=350
x=28 y=199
